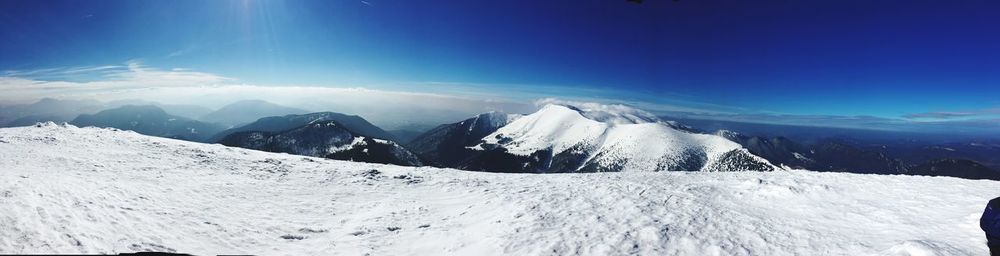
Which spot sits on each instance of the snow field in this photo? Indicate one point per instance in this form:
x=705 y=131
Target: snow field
x=86 y=190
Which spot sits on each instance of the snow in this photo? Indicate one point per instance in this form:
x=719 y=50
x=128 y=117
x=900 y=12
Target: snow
x=727 y=134
x=801 y=157
x=358 y=141
x=87 y=190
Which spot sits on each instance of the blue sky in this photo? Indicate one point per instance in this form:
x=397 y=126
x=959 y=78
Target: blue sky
x=923 y=61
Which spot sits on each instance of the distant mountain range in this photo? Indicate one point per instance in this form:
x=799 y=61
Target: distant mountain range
x=47 y=109
x=841 y=156
x=150 y=120
x=556 y=138
x=63 y=110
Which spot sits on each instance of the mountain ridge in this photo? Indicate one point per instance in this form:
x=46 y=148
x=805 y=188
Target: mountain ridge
x=354 y=123
x=327 y=139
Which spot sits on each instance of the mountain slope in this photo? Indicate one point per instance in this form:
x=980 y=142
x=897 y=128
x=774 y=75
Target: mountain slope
x=447 y=145
x=88 y=190
x=246 y=111
x=563 y=138
x=149 y=120
x=326 y=139
x=355 y=124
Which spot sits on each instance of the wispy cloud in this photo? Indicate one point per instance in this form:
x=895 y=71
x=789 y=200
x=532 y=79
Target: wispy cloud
x=987 y=113
x=21 y=85
x=60 y=71
x=181 y=52
x=656 y=102
x=939 y=115
x=968 y=125
x=210 y=45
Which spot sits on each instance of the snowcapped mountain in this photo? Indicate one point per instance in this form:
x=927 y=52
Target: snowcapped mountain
x=354 y=123
x=150 y=120
x=72 y=190
x=447 y=145
x=328 y=139
x=606 y=138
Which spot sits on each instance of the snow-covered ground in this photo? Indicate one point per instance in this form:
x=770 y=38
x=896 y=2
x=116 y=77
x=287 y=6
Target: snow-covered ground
x=86 y=190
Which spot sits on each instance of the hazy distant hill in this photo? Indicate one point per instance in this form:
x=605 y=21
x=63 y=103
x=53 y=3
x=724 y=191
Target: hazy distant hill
x=183 y=110
x=150 y=120
x=47 y=109
x=246 y=111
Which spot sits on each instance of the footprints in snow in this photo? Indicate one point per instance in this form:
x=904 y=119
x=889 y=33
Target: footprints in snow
x=390 y=229
x=373 y=175
x=150 y=247
x=292 y=237
x=309 y=230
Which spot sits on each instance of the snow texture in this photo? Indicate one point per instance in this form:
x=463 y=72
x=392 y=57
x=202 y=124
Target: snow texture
x=65 y=189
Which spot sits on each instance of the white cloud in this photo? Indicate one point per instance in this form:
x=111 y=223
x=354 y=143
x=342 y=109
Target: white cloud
x=21 y=86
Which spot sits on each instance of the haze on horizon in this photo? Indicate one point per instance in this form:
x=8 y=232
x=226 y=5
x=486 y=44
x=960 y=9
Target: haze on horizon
x=908 y=66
